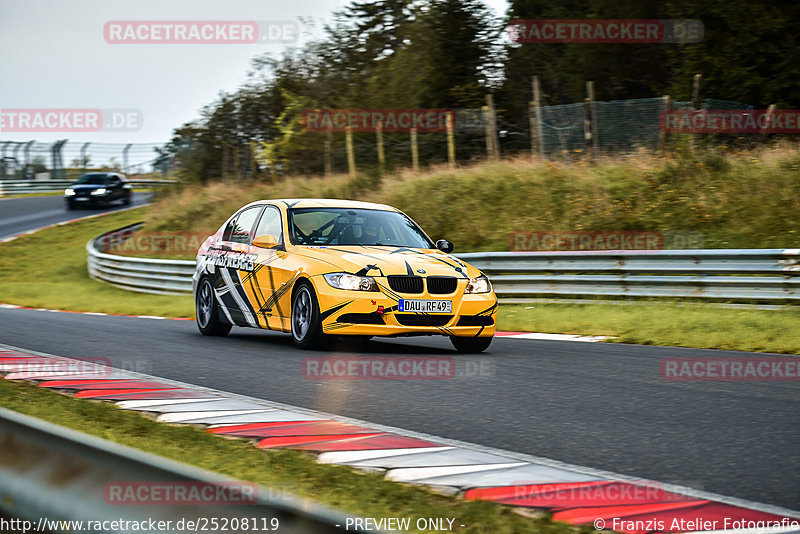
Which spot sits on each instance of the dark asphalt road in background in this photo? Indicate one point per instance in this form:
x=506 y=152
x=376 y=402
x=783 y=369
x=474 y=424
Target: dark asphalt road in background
x=19 y=215
x=599 y=405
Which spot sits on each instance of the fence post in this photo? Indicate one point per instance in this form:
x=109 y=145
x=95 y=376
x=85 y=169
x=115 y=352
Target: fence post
x=695 y=102
x=770 y=111
x=537 y=104
x=588 y=122
x=253 y=162
x=84 y=148
x=27 y=152
x=237 y=164
x=328 y=148
x=125 y=157
x=451 y=142
x=351 y=155
x=414 y=150
x=662 y=134
x=492 y=141
x=381 y=154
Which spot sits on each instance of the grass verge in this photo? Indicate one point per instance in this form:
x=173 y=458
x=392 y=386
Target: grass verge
x=47 y=269
x=663 y=323
x=357 y=493
x=735 y=200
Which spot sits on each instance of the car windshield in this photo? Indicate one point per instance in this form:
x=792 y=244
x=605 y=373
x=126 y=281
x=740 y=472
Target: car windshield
x=101 y=179
x=346 y=226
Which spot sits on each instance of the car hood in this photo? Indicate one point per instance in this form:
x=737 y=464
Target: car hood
x=377 y=260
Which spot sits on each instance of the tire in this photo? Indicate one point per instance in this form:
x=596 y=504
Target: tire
x=471 y=345
x=207 y=311
x=70 y=205
x=305 y=320
x=126 y=201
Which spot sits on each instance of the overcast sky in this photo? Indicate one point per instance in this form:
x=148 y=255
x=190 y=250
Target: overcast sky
x=55 y=56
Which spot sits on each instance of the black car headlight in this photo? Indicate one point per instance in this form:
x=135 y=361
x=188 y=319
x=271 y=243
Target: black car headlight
x=351 y=282
x=478 y=285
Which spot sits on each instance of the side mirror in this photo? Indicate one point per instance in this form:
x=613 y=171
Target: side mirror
x=265 y=241
x=445 y=246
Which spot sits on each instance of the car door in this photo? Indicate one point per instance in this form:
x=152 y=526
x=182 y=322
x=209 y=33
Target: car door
x=269 y=288
x=234 y=265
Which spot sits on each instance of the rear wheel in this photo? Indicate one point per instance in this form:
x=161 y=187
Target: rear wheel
x=306 y=322
x=471 y=344
x=207 y=311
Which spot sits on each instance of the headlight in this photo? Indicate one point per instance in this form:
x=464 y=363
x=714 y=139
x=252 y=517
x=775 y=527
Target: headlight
x=351 y=282
x=69 y=191
x=478 y=285
x=101 y=191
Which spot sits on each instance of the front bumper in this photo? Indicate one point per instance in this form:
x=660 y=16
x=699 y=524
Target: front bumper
x=95 y=200
x=359 y=313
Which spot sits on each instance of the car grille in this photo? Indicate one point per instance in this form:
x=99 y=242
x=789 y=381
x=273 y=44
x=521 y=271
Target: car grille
x=475 y=320
x=422 y=320
x=405 y=284
x=442 y=285
x=361 y=318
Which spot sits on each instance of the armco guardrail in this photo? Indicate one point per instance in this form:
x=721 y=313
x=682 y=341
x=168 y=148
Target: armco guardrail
x=146 y=275
x=724 y=274
x=20 y=187
x=51 y=475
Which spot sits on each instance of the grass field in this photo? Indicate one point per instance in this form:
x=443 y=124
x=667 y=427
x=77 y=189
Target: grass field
x=664 y=323
x=357 y=493
x=743 y=200
x=47 y=269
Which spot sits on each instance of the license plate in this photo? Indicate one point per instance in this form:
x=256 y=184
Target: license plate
x=427 y=306
x=82 y=199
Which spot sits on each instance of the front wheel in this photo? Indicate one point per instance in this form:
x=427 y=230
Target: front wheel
x=471 y=344
x=207 y=311
x=306 y=322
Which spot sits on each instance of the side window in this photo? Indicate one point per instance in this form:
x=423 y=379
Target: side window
x=270 y=223
x=243 y=225
x=226 y=234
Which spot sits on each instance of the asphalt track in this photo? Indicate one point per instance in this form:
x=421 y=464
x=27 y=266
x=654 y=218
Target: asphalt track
x=600 y=405
x=23 y=214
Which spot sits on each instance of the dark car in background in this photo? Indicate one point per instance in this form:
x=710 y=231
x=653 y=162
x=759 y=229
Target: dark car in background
x=98 y=189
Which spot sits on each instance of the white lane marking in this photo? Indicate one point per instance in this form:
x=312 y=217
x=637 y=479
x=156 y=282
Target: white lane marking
x=343 y=457
x=556 y=337
x=138 y=404
x=411 y=474
x=177 y=417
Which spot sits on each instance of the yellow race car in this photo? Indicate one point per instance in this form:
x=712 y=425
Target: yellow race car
x=318 y=267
